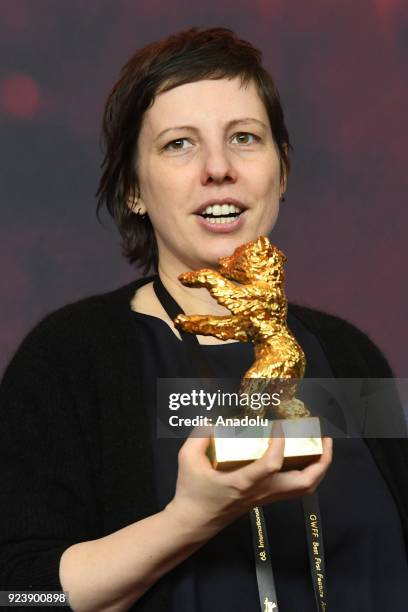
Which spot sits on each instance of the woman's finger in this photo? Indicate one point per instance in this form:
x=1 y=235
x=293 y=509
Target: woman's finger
x=284 y=485
x=270 y=462
x=195 y=447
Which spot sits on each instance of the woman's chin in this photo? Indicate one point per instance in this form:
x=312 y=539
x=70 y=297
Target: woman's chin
x=209 y=258
x=226 y=246
x=206 y=254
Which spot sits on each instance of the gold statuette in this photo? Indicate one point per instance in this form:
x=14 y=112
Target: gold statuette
x=250 y=284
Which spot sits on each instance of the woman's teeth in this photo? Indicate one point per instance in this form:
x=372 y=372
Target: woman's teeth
x=220 y=219
x=221 y=213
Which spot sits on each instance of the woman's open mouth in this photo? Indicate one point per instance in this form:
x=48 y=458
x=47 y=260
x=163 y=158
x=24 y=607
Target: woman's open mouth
x=222 y=218
x=221 y=213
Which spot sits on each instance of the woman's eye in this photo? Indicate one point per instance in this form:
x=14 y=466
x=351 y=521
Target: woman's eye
x=245 y=138
x=178 y=145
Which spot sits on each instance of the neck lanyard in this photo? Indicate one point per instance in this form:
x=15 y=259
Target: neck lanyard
x=311 y=511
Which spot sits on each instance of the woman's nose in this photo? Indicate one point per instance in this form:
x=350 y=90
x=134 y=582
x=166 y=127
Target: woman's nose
x=218 y=166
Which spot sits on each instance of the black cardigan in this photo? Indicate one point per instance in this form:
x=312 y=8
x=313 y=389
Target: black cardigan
x=75 y=458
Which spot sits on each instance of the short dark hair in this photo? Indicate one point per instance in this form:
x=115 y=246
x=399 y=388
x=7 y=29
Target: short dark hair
x=186 y=57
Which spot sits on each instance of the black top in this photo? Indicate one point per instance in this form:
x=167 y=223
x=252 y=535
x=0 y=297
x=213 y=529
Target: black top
x=366 y=564
x=76 y=461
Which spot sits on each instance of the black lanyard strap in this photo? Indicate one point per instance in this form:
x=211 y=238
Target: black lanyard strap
x=263 y=564
x=198 y=360
x=314 y=537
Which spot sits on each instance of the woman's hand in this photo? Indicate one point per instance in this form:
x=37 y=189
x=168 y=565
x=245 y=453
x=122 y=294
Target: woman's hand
x=208 y=500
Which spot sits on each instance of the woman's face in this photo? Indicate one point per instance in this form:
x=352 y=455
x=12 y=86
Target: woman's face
x=206 y=153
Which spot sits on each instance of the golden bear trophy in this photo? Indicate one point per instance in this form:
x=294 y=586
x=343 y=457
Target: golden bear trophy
x=250 y=283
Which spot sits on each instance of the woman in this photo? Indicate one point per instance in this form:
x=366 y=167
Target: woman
x=197 y=163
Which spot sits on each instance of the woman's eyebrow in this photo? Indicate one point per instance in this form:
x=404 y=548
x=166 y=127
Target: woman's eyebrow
x=230 y=124
x=245 y=121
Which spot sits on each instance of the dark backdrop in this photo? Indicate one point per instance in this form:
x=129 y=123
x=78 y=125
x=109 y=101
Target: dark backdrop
x=341 y=69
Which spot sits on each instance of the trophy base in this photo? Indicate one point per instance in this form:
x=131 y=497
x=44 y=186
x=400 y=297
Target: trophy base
x=303 y=444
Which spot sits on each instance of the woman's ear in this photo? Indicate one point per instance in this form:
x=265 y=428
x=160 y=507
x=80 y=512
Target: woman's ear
x=284 y=176
x=136 y=204
x=283 y=185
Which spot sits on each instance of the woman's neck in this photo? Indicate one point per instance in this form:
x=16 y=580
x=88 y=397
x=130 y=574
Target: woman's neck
x=145 y=302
